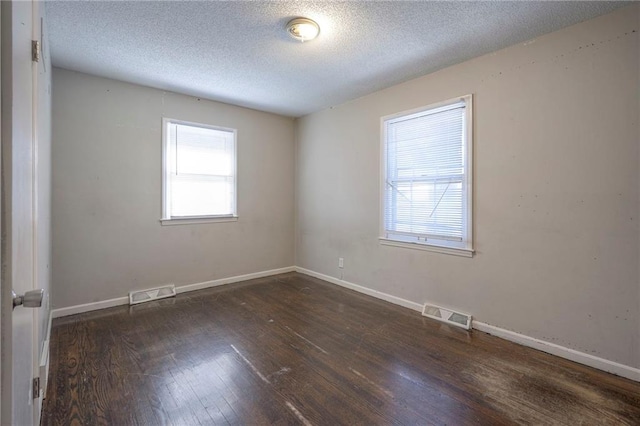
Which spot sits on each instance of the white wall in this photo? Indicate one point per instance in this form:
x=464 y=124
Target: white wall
x=556 y=190
x=107 y=238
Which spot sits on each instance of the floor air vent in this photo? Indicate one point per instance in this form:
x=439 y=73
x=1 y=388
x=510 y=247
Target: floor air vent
x=448 y=316
x=150 y=294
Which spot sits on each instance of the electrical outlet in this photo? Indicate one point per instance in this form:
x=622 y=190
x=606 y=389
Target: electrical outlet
x=340 y=262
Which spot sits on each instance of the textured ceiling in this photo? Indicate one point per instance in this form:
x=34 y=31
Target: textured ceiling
x=238 y=52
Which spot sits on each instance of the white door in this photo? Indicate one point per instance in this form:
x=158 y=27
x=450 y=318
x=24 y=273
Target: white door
x=41 y=149
x=18 y=224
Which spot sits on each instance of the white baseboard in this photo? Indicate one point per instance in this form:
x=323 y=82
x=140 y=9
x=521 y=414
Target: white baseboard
x=231 y=280
x=103 y=304
x=360 y=289
x=561 y=351
x=87 y=307
x=551 y=348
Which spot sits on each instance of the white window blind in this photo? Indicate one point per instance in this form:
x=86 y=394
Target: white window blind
x=200 y=171
x=426 y=198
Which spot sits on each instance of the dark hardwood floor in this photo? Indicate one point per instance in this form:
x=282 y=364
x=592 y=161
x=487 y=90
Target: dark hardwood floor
x=295 y=350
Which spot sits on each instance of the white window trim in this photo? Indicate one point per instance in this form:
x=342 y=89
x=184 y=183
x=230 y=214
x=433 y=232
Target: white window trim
x=197 y=220
x=466 y=251
x=428 y=247
x=165 y=218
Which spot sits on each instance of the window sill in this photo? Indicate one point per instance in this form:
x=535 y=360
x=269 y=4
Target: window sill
x=437 y=249
x=197 y=220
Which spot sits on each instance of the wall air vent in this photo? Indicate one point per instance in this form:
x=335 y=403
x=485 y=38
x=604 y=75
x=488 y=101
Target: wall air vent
x=447 y=316
x=141 y=296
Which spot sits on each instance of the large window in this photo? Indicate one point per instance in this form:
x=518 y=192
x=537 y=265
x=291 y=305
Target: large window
x=426 y=178
x=199 y=172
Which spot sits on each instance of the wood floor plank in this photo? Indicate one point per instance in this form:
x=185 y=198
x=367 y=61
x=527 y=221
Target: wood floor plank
x=292 y=349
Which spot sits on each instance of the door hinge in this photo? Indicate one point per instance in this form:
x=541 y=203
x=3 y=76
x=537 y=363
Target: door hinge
x=36 y=388
x=35 y=50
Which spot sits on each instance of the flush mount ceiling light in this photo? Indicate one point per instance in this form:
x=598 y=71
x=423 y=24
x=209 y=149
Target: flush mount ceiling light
x=303 y=29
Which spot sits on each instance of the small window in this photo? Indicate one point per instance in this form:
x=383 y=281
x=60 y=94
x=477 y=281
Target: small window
x=426 y=178
x=199 y=171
